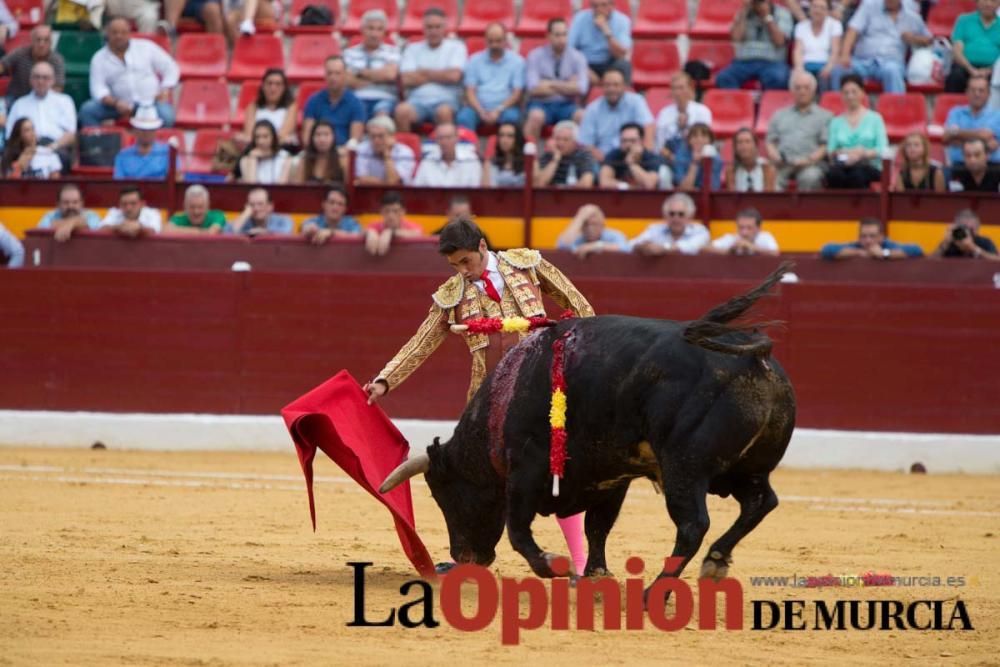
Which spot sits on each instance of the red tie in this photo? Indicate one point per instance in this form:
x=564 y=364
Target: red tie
x=491 y=291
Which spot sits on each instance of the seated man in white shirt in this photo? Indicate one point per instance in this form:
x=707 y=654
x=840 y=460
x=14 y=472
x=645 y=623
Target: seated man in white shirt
x=380 y=159
x=673 y=121
x=127 y=73
x=678 y=234
x=451 y=168
x=749 y=238
x=52 y=113
x=132 y=218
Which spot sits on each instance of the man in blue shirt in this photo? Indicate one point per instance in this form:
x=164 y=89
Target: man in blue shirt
x=871 y=244
x=258 y=217
x=494 y=83
x=337 y=105
x=146 y=158
x=69 y=215
x=875 y=43
x=606 y=115
x=973 y=121
x=604 y=35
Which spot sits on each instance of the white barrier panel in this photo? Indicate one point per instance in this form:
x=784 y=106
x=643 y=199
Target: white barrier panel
x=810 y=448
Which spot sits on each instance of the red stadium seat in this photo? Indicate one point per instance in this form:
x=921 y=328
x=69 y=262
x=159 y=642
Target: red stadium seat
x=664 y=18
x=173 y=134
x=714 y=18
x=253 y=54
x=535 y=14
x=903 y=113
x=413 y=141
x=943 y=103
x=124 y=138
x=22 y=38
x=941 y=19
x=357 y=8
x=203 y=104
x=731 y=110
x=529 y=44
x=654 y=62
x=187 y=25
x=307 y=90
x=595 y=93
x=157 y=38
x=28 y=13
x=624 y=6
x=201 y=56
x=658 y=98
x=478 y=14
x=4 y=83
x=206 y=141
x=292 y=26
x=248 y=94
x=413 y=18
x=834 y=103
x=309 y=52
x=474 y=44
x=770 y=101
x=716 y=55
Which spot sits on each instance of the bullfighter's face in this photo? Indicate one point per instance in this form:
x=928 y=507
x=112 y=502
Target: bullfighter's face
x=470 y=264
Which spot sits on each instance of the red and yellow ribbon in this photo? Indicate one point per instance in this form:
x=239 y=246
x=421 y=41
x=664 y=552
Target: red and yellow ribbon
x=557 y=414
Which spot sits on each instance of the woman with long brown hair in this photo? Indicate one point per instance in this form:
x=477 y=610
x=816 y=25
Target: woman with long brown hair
x=320 y=162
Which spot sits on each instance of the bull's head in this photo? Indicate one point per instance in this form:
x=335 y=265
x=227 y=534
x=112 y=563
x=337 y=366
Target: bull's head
x=473 y=510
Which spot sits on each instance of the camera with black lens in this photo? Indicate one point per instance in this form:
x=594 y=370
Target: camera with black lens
x=959 y=232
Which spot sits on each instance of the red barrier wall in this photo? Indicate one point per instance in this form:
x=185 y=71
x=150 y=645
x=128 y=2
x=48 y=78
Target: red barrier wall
x=881 y=357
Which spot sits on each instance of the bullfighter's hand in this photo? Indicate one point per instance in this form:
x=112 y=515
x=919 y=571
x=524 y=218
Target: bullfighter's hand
x=375 y=390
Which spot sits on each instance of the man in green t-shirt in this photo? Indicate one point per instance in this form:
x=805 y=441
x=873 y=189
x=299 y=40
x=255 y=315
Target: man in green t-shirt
x=975 y=45
x=197 y=217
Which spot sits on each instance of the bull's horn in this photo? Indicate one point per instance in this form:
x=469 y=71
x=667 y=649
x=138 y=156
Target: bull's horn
x=409 y=468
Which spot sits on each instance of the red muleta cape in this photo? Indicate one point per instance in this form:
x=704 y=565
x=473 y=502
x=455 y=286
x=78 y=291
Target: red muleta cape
x=335 y=417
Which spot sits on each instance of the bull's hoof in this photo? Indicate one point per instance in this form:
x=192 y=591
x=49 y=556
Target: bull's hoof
x=444 y=568
x=598 y=573
x=715 y=566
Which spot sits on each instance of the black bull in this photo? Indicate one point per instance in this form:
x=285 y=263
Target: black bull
x=696 y=407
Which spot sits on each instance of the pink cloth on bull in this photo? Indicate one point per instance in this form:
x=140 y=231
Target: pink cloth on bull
x=335 y=417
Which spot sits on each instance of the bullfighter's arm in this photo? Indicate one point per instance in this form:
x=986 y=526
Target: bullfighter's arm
x=562 y=291
x=432 y=331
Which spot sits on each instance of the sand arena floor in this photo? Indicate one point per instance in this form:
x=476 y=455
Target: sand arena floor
x=114 y=557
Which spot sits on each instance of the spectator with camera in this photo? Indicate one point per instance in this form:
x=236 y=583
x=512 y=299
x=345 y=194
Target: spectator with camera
x=963 y=240
x=871 y=244
x=760 y=33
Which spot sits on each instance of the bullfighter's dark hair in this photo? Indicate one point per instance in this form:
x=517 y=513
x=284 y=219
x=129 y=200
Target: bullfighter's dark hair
x=717 y=322
x=459 y=235
x=872 y=222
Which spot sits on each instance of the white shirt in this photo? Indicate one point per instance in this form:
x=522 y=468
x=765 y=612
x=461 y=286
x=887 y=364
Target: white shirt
x=53 y=115
x=269 y=168
x=146 y=71
x=148 y=218
x=274 y=116
x=492 y=267
x=763 y=241
x=367 y=164
x=357 y=58
x=450 y=54
x=666 y=121
x=44 y=163
x=464 y=171
x=694 y=238
x=816 y=48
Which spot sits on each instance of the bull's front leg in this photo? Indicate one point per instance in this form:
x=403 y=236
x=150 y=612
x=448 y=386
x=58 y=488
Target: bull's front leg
x=597 y=524
x=520 y=515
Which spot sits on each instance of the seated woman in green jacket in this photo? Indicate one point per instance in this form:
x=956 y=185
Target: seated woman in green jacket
x=856 y=141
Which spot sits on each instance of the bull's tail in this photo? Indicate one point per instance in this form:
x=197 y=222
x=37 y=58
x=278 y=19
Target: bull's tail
x=718 y=322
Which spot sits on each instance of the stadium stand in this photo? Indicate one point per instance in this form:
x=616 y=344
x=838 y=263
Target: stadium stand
x=658 y=97
x=770 y=102
x=715 y=55
x=941 y=18
x=77 y=48
x=294 y=16
x=357 y=8
x=714 y=17
x=248 y=93
x=307 y=55
x=253 y=55
x=413 y=18
x=201 y=56
x=28 y=13
x=654 y=62
x=943 y=103
x=731 y=110
x=477 y=14
x=203 y=104
x=666 y=18
x=903 y=113
x=535 y=14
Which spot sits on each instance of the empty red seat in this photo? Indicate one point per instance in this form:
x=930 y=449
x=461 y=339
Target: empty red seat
x=253 y=54
x=903 y=113
x=624 y=6
x=293 y=27
x=478 y=14
x=308 y=53
x=28 y=13
x=474 y=44
x=654 y=62
x=659 y=97
x=716 y=55
x=663 y=18
x=201 y=56
x=413 y=18
x=22 y=38
x=834 y=103
x=714 y=18
x=731 y=110
x=203 y=104
x=535 y=14
x=943 y=103
x=206 y=141
x=357 y=8
x=307 y=90
x=248 y=94
x=529 y=44
x=157 y=38
x=941 y=19
x=770 y=102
